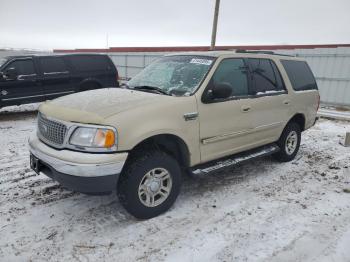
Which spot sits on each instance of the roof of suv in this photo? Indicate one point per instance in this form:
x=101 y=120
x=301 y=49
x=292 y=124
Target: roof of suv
x=52 y=54
x=267 y=54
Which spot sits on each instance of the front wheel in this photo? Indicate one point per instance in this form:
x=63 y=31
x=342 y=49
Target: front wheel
x=289 y=142
x=150 y=184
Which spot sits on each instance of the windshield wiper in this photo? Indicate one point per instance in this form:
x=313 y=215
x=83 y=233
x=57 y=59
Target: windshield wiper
x=152 y=88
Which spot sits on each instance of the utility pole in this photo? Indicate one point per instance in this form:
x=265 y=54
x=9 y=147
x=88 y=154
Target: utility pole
x=215 y=25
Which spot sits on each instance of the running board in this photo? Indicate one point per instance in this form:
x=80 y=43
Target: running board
x=234 y=159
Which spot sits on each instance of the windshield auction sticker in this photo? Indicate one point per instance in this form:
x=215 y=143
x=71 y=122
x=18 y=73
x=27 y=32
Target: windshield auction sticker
x=201 y=61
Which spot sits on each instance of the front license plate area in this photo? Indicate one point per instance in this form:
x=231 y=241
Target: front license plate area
x=34 y=163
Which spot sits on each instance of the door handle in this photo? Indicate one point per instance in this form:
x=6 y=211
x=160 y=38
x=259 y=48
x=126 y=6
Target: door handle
x=286 y=102
x=245 y=109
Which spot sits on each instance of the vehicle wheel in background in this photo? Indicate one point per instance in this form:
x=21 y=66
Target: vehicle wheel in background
x=150 y=184
x=89 y=86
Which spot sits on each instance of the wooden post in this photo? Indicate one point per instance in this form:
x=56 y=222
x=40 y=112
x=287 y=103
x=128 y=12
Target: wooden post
x=215 y=25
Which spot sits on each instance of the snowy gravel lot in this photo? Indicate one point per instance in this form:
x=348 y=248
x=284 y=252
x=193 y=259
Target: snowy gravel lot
x=259 y=211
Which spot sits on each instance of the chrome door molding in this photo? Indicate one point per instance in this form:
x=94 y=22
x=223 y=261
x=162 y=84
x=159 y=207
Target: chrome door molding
x=214 y=139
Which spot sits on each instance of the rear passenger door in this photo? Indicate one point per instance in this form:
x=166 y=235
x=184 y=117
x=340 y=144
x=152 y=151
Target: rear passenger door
x=272 y=106
x=55 y=76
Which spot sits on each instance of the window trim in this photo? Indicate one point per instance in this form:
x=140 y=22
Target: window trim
x=278 y=92
x=208 y=101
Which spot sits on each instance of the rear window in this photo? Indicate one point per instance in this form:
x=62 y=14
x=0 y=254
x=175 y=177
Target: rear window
x=83 y=63
x=300 y=75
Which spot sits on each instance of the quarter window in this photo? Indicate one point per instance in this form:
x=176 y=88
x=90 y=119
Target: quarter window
x=23 y=67
x=52 y=65
x=232 y=71
x=266 y=75
x=90 y=63
x=300 y=75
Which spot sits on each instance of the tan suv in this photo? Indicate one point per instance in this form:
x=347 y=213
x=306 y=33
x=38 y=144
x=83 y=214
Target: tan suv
x=184 y=113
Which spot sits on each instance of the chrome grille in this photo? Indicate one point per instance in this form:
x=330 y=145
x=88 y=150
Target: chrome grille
x=51 y=131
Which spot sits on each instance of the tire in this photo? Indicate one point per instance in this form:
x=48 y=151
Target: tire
x=288 y=146
x=141 y=179
x=89 y=86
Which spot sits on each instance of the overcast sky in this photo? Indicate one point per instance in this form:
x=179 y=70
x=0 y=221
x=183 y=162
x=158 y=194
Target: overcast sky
x=46 y=24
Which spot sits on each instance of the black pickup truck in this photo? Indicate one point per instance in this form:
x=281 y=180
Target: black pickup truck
x=36 y=78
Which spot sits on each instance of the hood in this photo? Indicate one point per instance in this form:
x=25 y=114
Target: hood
x=96 y=105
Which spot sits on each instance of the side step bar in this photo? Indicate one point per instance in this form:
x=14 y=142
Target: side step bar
x=234 y=159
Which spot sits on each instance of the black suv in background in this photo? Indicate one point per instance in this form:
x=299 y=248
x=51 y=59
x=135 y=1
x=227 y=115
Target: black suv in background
x=36 y=78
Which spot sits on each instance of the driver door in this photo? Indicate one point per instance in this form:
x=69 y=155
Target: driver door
x=21 y=87
x=226 y=124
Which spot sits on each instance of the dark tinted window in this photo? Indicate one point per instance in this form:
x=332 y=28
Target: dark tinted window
x=300 y=75
x=266 y=75
x=23 y=67
x=90 y=63
x=232 y=71
x=52 y=65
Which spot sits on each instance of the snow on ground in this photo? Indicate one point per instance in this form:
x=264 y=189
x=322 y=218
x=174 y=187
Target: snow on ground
x=259 y=211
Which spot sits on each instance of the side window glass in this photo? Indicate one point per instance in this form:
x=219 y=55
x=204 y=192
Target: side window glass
x=23 y=67
x=232 y=71
x=83 y=63
x=265 y=75
x=300 y=75
x=52 y=65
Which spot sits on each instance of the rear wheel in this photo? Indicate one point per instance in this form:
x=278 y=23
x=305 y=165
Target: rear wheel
x=89 y=86
x=150 y=184
x=289 y=142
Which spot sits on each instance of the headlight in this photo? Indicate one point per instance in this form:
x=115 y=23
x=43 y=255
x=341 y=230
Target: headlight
x=93 y=137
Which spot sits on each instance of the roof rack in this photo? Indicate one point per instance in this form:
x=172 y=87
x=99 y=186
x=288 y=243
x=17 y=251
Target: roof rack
x=260 y=52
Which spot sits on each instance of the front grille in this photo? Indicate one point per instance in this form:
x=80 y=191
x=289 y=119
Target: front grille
x=51 y=131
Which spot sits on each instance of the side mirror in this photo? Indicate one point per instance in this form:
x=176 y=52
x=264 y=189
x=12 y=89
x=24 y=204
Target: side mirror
x=11 y=74
x=221 y=90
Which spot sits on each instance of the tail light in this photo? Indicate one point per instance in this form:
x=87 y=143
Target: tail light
x=318 y=101
x=117 y=77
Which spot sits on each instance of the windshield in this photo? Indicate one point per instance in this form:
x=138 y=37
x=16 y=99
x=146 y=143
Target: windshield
x=2 y=61
x=174 y=75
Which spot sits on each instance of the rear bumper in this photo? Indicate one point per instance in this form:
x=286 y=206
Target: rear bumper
x=82 y=172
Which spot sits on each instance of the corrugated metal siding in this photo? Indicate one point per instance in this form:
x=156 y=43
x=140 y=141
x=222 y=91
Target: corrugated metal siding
x=129 y=64
x=331 y=67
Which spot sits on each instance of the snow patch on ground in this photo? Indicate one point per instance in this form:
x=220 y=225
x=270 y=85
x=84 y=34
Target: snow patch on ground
x=258 y=211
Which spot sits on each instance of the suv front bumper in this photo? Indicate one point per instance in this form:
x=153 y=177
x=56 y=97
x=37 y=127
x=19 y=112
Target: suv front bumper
x=78 y=171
